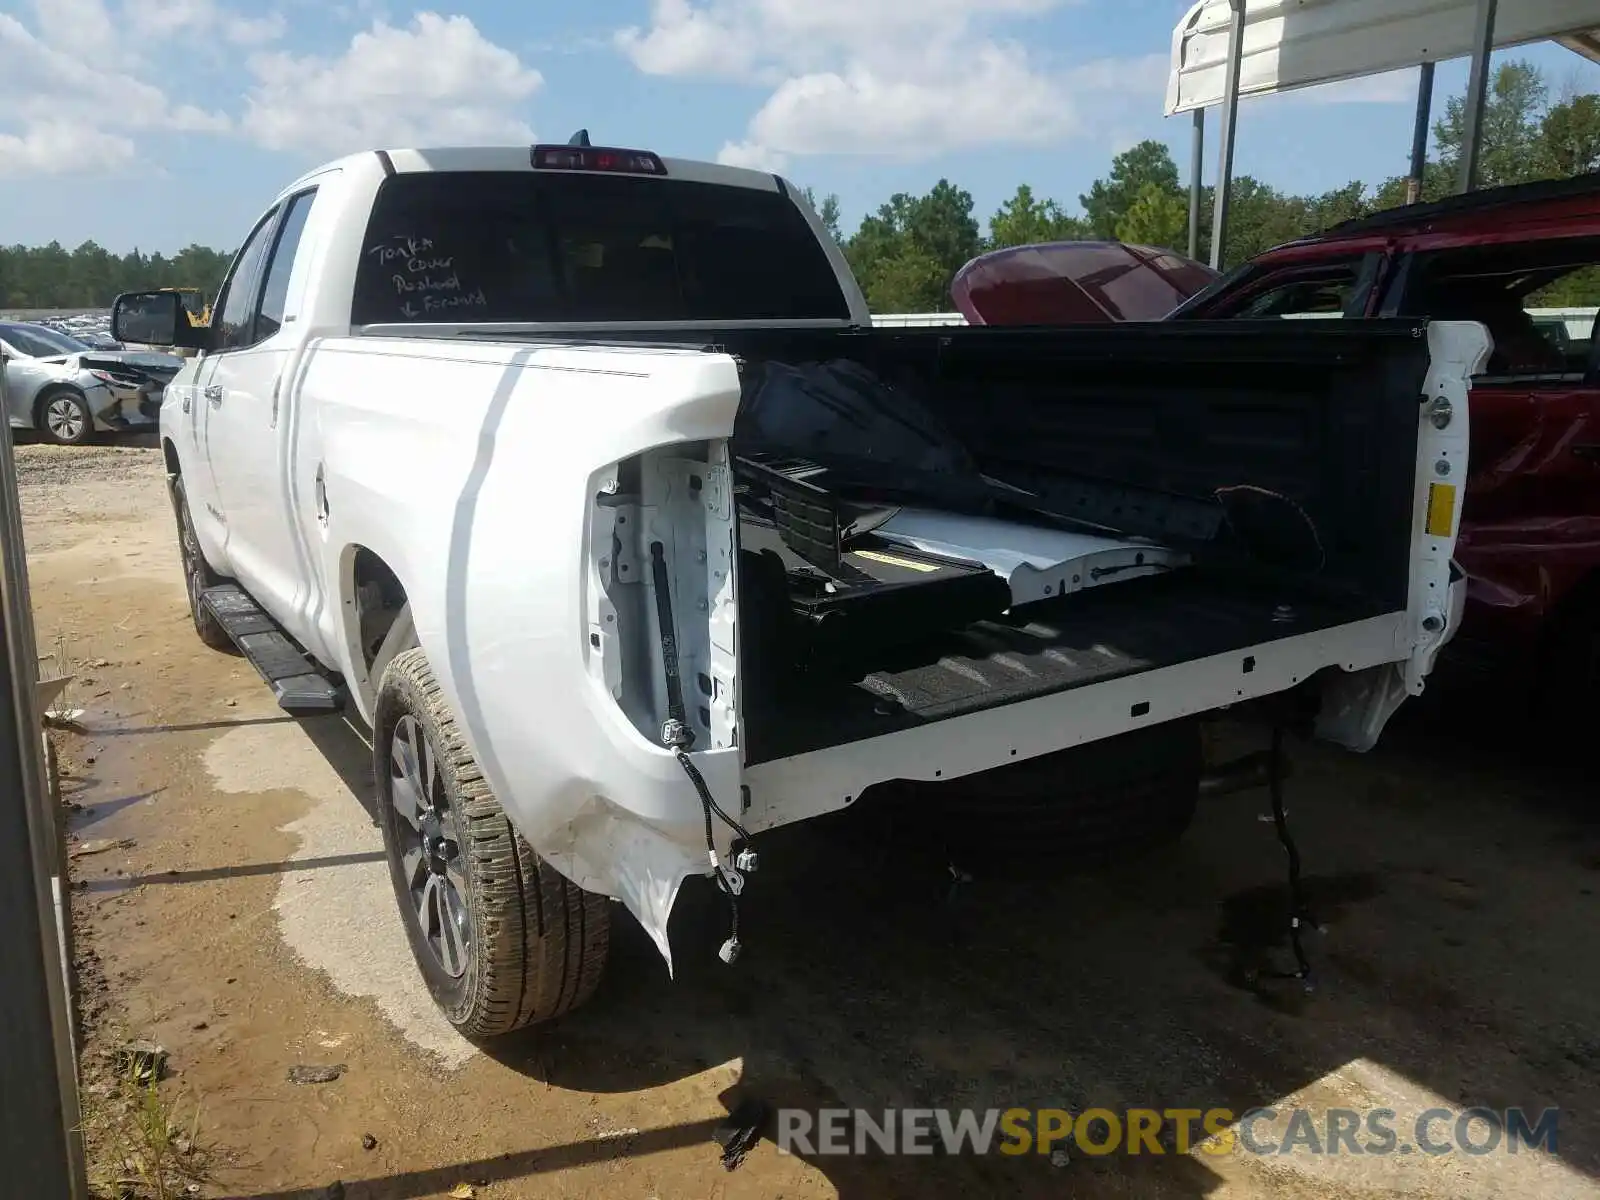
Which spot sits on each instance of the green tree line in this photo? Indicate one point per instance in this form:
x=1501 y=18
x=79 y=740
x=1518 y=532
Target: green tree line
x=91 y=276
x=906 y=252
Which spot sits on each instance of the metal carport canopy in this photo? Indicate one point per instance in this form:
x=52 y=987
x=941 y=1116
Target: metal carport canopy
x=1287 y=44
x=1292 y=44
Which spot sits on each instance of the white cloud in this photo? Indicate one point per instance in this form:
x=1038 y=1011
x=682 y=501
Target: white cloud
x=59 y=148
x=684 y=40
x=78 y=85
x=436 y=81
x=752 y=155
x=84 y=24
x=743 y=38
x=901 y=78
x=198 y=20
x=69 y=98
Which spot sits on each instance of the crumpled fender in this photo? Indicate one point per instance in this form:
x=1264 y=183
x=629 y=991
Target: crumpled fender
x=472 y=471
x=505 y=623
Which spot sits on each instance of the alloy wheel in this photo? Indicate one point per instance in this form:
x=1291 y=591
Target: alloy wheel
x=64 y=418
x=428 y=838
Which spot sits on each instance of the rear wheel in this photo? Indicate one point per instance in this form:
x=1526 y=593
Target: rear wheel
x=503 y=940
x=64 y=417
x=197 y=573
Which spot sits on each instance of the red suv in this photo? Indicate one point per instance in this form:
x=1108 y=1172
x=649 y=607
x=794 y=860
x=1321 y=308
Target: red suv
x=1530 y=534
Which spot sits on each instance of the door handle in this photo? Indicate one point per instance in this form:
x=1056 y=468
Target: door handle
x=320 y=484
x=214 y=394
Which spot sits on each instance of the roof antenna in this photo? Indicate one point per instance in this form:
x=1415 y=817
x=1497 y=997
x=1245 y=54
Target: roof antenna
x=581 y=138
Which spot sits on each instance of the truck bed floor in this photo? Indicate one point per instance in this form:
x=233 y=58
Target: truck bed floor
x=1053 y=647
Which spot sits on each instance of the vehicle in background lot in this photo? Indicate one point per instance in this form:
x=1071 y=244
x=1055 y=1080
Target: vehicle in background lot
x=68 y=391
x=1530 y=536
x=915 y=320
x=583 y=478
x=92 y=329
x=93 y=339
x=1555 y=330
x=1076 y=282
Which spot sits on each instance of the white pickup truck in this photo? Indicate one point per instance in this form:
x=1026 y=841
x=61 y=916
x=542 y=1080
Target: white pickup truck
x=583 y=478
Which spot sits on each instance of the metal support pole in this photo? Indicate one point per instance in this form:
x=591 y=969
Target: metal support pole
x=1230 y=115
x=1419 y=134
x=1197 y=159
x=1477 y=94
x=40 y=1143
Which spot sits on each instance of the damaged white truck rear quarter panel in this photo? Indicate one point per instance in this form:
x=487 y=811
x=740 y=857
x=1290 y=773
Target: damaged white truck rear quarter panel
x=519 y=644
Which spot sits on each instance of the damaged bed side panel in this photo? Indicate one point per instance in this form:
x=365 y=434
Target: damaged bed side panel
x=540 y=629
x=1356 y=706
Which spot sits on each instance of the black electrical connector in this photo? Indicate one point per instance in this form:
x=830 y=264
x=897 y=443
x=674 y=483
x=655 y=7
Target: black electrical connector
x=1300 y=918
x=677 y=736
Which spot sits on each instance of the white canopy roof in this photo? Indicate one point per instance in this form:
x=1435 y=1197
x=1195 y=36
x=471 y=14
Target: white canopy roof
x=1296 y=43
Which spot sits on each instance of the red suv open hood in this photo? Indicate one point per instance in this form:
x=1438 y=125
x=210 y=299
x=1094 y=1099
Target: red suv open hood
x=1068 y=283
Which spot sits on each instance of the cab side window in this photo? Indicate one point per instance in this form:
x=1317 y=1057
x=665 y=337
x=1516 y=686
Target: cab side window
x=236 y=309
x=275 y=295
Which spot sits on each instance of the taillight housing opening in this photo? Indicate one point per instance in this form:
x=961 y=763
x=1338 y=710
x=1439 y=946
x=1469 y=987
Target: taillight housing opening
x=607 y=159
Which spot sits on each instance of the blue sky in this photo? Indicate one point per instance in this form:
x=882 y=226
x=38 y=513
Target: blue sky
x=191 y=113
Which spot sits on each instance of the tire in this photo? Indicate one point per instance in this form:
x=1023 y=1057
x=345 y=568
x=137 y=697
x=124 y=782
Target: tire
x=510 y=942
x=197 y=574
x=1092 y=804
x=62 y=417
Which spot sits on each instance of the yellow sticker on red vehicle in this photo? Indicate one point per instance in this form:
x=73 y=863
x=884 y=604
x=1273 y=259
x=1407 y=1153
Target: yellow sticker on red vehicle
x=1441 y=509
x=895 y=561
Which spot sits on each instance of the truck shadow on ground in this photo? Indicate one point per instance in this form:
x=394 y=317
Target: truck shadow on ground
x=1454 y=880
x=1453 y=900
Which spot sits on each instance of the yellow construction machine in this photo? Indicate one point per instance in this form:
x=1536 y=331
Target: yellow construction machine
x=196 y=307
x=194 y=304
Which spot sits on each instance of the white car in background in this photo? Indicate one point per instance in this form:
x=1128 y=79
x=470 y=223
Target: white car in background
x=68 y=391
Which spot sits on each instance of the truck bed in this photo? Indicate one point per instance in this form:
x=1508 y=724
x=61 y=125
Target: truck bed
x=1279 y=459
x=1044 y=648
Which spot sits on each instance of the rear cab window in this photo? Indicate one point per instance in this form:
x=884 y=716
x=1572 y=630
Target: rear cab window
x=493 y=246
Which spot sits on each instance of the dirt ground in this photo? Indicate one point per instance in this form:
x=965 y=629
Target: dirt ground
x=233 y=907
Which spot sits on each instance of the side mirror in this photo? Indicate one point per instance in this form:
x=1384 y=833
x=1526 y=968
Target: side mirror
x=155 y=319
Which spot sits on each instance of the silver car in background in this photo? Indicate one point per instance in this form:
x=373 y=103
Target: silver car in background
x=68 y=391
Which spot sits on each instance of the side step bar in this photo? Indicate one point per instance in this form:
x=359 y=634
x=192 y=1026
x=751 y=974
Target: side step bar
x=299 y=684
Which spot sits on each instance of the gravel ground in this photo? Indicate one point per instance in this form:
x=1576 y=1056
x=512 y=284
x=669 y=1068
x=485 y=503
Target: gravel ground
x=42 y=466
x=240 y=918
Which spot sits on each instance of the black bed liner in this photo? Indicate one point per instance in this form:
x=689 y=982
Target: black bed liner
x=1144 y=429
x=1280 y=456
x=1038 y=650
